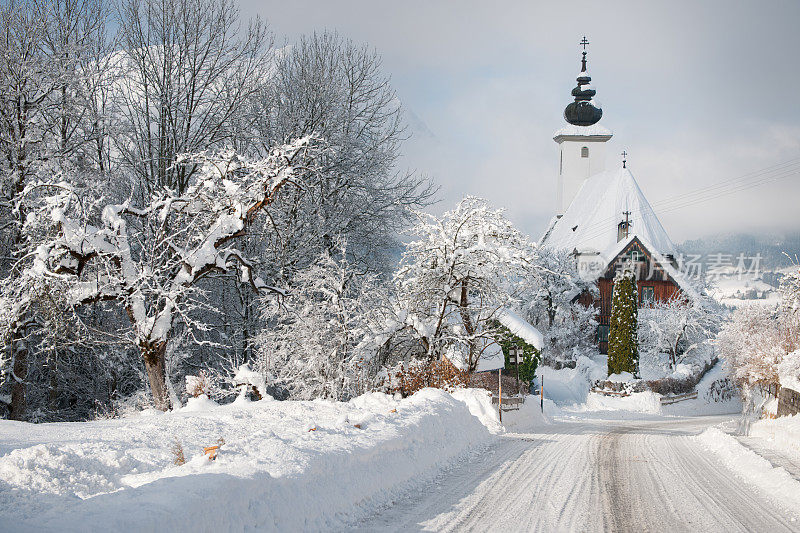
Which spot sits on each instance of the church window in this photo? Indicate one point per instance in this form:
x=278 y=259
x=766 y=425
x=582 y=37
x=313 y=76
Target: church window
x=585 y=151
x=648 y=295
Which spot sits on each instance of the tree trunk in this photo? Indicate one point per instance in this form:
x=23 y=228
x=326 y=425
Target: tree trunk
x=19 y=351
x=154 y=355
x=468 y=327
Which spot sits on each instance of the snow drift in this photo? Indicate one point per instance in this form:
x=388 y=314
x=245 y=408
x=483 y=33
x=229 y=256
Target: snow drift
x=283 y=465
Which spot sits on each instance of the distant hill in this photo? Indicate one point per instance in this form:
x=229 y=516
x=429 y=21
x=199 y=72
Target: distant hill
x=771 y=246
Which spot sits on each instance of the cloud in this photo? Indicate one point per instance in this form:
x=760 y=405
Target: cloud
x=697 y=93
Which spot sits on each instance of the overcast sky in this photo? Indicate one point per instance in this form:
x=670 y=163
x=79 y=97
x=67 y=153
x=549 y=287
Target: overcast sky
x=698 y=93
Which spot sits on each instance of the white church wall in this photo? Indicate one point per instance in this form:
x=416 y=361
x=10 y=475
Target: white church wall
x=574 y=168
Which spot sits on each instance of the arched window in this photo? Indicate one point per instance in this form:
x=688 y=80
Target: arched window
x=585 y=151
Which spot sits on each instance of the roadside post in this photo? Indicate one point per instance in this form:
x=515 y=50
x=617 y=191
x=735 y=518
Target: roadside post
x=500 y=393
x=513 y=353
x=541 y=394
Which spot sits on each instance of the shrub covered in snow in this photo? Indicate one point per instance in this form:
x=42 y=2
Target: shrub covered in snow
x=623 y=346
x=550 y=303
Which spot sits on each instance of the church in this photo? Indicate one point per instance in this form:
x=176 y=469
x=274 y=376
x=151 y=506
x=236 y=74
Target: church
x=603 y=217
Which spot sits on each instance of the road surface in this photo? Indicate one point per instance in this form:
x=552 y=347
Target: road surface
x=591 y=475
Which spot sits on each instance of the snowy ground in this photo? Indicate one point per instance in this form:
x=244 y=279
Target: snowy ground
x=594 y=475
x=435 y=461
x=284 y=465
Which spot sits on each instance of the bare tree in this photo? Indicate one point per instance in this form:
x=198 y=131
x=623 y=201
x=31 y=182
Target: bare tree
x=186 y=72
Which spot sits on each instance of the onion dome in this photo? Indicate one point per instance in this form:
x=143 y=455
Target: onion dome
x=583 y=111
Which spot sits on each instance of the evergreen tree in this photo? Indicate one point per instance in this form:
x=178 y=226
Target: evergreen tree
x=623 y=351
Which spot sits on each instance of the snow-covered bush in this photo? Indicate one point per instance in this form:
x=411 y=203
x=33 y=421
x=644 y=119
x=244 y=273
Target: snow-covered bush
x=550 y=303
x=408 y=378
x=455 y=277
x=321 y=343
x=198 y=385
x=762 y=344
x=752 y=344
x=679 y=327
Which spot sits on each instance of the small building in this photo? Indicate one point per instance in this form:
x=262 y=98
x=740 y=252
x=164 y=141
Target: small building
x=603 y=217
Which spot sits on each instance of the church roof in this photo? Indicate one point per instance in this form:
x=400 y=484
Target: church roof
x=590 y=223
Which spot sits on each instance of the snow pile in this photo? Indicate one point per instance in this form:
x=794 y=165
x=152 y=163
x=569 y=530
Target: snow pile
x=569 y=386
x=782 y=433
x=283 y=465
x=753 y=469
x=639 y=402
x=529 y=418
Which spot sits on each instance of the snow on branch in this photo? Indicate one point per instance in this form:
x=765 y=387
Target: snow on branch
x=150 y=256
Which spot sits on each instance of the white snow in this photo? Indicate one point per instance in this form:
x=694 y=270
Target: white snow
x=753 y=469
x=519 y=327
x=284 y=466
x=593 y=130
x=782 y=434
x=597 y=210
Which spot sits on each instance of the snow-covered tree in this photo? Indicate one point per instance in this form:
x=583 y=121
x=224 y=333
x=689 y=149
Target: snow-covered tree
x=551 y=304
x=760 y=344
x=677 y=326
x=752 y=345
x=149 y=258
x=322 y=341
x=623 y=349
x=454 y=278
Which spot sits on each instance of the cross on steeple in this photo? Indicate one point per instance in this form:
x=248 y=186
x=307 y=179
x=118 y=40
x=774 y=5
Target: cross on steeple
x=624 y=160
x=583 y=43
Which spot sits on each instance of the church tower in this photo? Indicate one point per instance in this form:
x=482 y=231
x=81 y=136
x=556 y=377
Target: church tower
x=581 y=142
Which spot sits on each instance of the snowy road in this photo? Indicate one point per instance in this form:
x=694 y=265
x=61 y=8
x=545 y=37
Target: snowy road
x=591 y=475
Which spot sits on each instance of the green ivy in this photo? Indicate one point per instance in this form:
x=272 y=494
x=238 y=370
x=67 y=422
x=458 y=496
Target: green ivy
x=530 y=355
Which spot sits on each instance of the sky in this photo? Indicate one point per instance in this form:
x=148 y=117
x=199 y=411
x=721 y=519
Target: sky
x=699 y=94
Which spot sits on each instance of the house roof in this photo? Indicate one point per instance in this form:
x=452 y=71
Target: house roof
x=591 y=221
x=673 y=273
x=521 y=328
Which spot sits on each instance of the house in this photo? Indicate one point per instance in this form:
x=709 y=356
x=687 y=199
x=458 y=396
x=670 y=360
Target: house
x=603 y=217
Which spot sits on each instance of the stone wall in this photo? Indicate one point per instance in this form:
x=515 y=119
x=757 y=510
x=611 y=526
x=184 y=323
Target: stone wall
x=788 y=402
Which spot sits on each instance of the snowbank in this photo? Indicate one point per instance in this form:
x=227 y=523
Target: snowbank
x=283 y=465
x=569 y=386
x=529 y=417
x=638 y=402
x=753 y=469
x=782 y=433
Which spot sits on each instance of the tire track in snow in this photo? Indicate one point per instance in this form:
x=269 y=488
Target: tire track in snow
x=591 y=476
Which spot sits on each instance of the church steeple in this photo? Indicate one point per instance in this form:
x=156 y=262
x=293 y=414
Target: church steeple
x=583 y=111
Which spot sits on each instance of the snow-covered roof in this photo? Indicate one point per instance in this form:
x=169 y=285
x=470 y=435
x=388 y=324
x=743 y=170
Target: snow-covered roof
x=679 y=279
x=572 y=130
x=591 y=221
x=519 y=327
